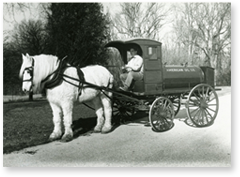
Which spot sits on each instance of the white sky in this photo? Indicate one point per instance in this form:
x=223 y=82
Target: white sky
x=113 y=7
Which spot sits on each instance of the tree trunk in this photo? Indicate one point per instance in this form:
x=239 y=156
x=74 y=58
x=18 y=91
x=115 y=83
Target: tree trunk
x=218 y=69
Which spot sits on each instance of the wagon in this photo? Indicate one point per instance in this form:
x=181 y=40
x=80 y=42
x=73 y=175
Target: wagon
x=163 y=87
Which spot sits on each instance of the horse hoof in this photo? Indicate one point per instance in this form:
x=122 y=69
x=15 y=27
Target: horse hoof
x=66 y=138
x=96 y=130
x=106 y=130
x=54 y=137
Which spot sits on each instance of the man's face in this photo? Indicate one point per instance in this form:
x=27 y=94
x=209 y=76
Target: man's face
x=133 y=52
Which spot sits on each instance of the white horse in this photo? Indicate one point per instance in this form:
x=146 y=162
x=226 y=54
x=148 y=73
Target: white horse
x=61 y=98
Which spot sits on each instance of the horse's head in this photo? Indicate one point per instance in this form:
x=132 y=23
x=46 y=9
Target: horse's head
x=36 y=68
x=27 y=73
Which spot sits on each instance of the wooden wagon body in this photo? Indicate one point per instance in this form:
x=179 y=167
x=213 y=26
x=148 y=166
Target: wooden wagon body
x=163 y=87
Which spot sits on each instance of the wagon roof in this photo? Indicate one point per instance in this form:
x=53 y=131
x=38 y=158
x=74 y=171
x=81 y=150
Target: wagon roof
x=139 y=41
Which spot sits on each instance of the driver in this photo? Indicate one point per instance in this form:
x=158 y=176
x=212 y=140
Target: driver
x=132 y=71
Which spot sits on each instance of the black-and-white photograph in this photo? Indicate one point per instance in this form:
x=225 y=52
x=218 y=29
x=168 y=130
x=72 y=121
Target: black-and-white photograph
x=117 y=84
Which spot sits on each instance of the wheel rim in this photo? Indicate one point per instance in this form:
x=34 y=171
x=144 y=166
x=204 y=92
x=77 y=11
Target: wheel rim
x=161 y=114
x=202 y=105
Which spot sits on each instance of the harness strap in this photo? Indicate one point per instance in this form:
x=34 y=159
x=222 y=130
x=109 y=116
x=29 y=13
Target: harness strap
x=87 y=85
x=56 y=75
x=81 y=80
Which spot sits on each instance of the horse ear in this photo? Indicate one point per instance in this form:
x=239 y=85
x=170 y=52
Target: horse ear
x=23 y=56
x=27 y=55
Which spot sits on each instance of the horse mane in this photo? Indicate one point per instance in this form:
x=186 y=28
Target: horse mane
x=43 y=66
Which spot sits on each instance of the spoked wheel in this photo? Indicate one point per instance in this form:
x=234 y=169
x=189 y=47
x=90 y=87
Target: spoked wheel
x=123 y=113
x=161 y=114
x=176 y=100
x=202 y=105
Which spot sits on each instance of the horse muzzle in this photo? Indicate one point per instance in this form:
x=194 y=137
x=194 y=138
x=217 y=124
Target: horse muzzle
x=27 y=87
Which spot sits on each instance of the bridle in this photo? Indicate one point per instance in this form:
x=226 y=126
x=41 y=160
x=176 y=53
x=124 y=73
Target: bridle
x=30 y=70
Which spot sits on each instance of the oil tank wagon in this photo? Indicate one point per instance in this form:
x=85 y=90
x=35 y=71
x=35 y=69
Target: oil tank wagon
x=163 y=86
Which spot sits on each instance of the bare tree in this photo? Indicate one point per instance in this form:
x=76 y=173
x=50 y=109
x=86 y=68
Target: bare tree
x=206 y=26
x=139 y=20
x=184 y=27
x=213 y=23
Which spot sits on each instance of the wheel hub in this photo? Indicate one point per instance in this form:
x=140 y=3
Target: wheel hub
x=163 y=113
x=203 y=104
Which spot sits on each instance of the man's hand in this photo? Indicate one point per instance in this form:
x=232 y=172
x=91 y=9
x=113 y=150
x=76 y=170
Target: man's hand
x=129 y=69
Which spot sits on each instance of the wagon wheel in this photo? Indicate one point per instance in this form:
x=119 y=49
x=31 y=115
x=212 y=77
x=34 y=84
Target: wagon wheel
x=176 y=100
x=123 y=111
x=202 y=105
x=161 y=114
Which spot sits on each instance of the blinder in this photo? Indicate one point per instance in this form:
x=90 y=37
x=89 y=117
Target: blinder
x=30 y=70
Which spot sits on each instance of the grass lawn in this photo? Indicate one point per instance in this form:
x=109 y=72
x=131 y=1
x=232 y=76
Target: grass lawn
x=30 y=123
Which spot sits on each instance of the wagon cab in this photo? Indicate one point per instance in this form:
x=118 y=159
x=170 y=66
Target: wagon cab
x=150 y=51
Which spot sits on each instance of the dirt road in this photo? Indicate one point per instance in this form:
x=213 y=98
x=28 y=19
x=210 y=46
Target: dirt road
x=136 y=145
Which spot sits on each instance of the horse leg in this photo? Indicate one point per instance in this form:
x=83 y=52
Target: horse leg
x=107 y=106
x=57 y=114
x=99 y=112
x=67 y=118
